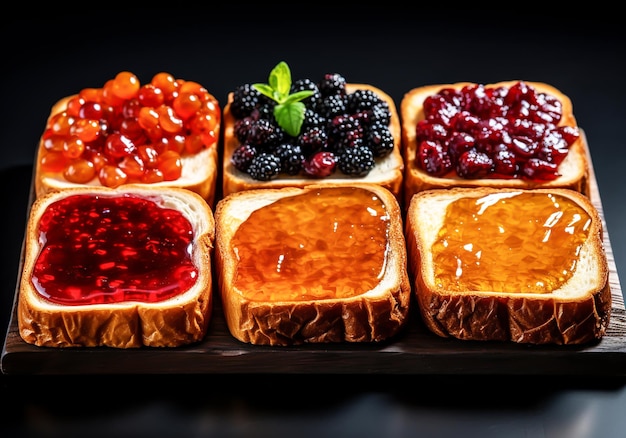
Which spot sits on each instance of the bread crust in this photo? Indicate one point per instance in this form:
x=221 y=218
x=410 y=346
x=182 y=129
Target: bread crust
x=177 y=321
x=574 y=169
x=371 y=317
x=518 y=317
x=199 y=171
x=388 y=172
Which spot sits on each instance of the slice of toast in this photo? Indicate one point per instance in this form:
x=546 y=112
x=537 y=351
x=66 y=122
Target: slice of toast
x=50 y=310
x=199 y=168
x=573 y=170
x=534 y=274
x=387 y=172
x=318 y=264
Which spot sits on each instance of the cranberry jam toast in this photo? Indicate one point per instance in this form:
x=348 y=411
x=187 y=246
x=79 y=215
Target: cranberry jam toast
x=350 y=133
x=163 y=133
x=121 y=267
x=318 y=264
x=525 y=266
x=517 y=134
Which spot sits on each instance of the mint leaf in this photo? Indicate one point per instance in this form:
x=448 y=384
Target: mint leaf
x=290 y=116
x=297 y=96
x=289 y=111
x=280 y=79
x=265 y=90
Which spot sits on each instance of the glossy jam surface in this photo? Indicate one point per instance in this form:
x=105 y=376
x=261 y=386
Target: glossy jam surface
x=101 y=249
x=329 y=243
x=128 y=132
x=493 y=132
x=515 y=242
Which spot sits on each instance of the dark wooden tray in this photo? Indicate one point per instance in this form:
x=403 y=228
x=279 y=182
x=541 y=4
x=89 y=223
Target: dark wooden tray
x=414 y=351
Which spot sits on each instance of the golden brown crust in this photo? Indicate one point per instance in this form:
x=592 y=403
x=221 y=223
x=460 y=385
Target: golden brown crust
x=388 y=172
x=371 y=317
x=522 y=318
x=178 y=321
x=574 y=169
x=199 y=170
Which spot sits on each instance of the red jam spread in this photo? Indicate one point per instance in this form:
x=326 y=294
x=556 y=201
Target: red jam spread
x=322 y=244
x=107 y=249
x=510 y=242
x=127 y=132
x=493 y=132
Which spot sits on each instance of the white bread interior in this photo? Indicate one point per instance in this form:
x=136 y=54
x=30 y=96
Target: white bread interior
x=388 y=171
x=371 y=317
x=576 y=313
x=173 y=322
x=574 y=169
x=199 y=171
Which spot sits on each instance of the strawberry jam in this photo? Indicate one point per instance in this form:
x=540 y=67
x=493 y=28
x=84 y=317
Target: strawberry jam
x=325 y=243
x=108 y=249
x=511 y=242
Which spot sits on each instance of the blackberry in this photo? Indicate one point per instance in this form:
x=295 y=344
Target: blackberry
x=380 y=140
x=259 y=132
x=332 y=83
x=380 y=114
x=350 y=139
x=312 y=119
x=362 y=100
x=242 y=156
x=265 y=110
x=245 y=99
x=307 y=85
x=291 y=158
x=357 y=161
x=331 y=106
x=264 y=167
x=242 y=128
x=313 y=139
x=345 y=130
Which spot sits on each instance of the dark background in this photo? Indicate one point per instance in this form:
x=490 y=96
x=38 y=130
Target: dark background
x=50 y=54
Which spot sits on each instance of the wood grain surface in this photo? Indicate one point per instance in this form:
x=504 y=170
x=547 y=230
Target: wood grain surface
x=414 y=351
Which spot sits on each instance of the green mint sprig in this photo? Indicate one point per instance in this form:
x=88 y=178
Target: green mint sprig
x=289 y=110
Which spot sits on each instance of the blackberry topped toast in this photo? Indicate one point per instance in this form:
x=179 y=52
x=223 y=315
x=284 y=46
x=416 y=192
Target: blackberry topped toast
x=291 y=134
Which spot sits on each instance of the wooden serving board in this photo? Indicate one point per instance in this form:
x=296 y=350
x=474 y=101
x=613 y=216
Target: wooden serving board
x=414 y=351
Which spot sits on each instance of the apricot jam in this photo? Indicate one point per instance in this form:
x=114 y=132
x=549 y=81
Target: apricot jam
x=107 y=249
x=509 y=242
x=325 y=243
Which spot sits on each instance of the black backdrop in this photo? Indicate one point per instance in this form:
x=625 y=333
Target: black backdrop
x=49 y=54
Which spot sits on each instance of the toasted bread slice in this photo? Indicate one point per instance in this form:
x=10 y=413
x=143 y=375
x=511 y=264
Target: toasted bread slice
x=573 y=170
x=331 y=297
x=48 y=321
x=513 y=280
x=199 y=170
x=388 y=171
